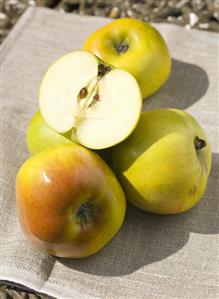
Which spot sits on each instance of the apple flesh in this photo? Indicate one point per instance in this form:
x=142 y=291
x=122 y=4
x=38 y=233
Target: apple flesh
x=99 y=105
x=164 y=166
x=69 y=202
x=136 y=47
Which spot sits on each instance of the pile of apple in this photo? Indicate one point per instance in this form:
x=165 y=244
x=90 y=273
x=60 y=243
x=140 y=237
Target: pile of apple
x=70 y=202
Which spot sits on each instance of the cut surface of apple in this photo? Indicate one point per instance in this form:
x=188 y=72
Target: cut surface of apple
x=101 y=105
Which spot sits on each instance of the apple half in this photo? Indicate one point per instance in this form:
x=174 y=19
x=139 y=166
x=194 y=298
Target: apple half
x=98 y=104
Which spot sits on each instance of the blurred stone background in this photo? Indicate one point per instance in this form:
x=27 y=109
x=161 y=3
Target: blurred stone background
x=199 y=14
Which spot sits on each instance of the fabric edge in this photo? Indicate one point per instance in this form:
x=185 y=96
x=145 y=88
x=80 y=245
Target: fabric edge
x=14 y=276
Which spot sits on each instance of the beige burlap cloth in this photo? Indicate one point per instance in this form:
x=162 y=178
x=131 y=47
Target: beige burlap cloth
x=152 y=256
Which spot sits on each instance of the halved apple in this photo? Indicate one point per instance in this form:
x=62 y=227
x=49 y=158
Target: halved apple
x=101 y=105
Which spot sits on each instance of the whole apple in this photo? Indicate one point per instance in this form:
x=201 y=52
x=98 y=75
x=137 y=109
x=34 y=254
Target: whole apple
x=164 y=165
x=136 y=47
x=40 y=136
x=70 y=203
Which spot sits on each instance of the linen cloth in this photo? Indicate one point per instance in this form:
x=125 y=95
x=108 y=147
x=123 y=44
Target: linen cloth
x=152 y=256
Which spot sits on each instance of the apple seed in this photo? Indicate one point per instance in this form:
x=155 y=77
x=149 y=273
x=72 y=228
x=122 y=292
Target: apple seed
x=96 y=97
x=83 y=93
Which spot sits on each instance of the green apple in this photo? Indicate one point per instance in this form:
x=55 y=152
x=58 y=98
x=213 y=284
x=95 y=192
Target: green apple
x=40 y=136
x=99 y=105
x=164 y=165
x=136 y=47
x=69 y=202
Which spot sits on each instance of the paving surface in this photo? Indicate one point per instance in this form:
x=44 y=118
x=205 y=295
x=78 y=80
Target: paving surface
x=199 y=14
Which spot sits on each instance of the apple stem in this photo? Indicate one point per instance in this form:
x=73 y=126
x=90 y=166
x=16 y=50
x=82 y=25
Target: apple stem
x=103 y=70
x=199 y=143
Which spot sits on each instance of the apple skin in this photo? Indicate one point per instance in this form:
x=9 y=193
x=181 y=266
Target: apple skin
x=40 y=136
x=159 y=167
x=143 y=51
x=69 y=202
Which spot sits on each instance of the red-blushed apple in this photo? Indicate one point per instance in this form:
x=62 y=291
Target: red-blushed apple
x=69 y=202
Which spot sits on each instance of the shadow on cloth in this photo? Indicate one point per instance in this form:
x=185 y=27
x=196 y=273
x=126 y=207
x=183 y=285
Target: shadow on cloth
x=187 y=83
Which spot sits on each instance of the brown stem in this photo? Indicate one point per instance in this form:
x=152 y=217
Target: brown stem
x=103 y=70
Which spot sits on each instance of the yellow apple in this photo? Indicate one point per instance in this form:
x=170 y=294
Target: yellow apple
x=70 y=203
x=136 y=47
x=164 y=165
